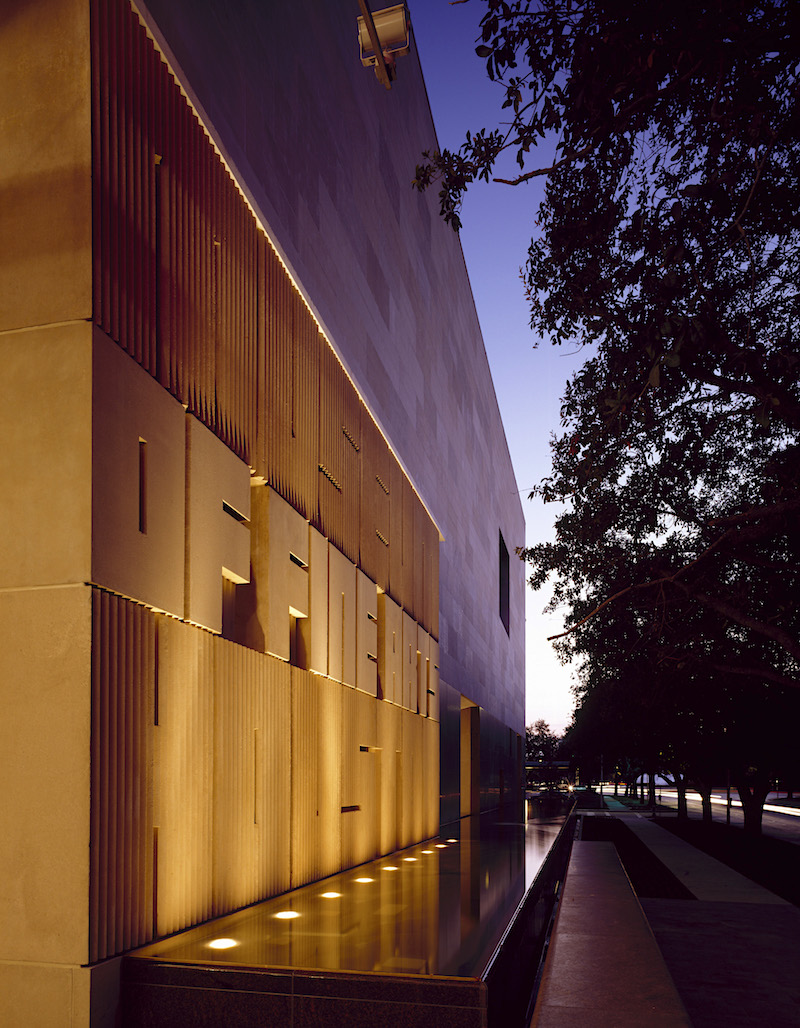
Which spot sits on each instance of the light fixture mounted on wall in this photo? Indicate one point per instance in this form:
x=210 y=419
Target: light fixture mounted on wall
x=383 y=36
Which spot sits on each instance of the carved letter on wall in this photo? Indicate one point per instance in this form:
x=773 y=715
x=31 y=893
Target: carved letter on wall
x=217 y=529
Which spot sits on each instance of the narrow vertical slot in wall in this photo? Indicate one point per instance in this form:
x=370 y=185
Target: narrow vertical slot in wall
x=155 y=880
x=256 y=776
x=504 y=585
x=142 y=486
x=293 y=381
x=156 y=670
x=343 y=638
x=157 y=208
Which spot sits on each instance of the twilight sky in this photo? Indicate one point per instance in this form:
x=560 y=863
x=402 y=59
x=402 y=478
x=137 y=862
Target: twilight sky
x=498 y=222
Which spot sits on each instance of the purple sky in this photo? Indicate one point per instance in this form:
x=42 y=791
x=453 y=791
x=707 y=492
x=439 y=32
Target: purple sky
x=498 y=222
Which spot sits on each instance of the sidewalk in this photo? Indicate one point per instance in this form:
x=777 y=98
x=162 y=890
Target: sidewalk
x=732 y=952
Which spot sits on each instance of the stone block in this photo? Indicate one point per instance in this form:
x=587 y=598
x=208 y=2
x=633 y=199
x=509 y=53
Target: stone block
x=138 y=490
x=46 y=456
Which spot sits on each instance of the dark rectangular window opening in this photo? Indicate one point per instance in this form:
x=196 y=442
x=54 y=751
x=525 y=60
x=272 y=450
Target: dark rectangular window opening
x=143 y=486
x=504 y=595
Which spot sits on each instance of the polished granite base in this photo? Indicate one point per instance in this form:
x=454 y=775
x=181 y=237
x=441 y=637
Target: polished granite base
x=178 y=995
x=410 y=939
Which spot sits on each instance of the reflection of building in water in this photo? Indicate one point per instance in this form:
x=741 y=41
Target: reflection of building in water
x=245 y=400
x=395 y=915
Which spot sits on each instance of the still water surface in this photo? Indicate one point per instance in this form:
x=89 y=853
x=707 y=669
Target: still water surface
x=438 y=908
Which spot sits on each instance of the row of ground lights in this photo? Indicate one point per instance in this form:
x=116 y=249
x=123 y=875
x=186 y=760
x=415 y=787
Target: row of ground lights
x=290 y=915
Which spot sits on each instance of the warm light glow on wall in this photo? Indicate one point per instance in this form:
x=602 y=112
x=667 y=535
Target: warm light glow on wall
x=222 y=944
x=330 y=895
x=261 y=223
x=365 y=880
x=286 y=915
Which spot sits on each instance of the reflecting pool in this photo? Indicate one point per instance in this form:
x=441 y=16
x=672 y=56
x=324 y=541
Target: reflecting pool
x=437 y=908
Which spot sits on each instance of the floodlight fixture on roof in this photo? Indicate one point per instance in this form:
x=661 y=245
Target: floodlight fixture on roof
x=382 y=37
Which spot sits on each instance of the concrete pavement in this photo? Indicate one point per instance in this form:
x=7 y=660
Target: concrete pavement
x=730 y=955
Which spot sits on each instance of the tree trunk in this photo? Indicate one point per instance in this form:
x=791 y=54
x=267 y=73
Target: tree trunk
x=651 y=792
x=680 y=785
x=753 y=804
x=704 y=790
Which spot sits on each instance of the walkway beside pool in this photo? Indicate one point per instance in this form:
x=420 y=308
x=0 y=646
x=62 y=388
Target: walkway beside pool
x=725 y=959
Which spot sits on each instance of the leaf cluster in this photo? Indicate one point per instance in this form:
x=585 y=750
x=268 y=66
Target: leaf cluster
x=668 y=240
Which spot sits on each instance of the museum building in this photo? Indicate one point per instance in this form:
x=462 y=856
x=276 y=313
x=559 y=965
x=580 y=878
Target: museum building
x=259 y=620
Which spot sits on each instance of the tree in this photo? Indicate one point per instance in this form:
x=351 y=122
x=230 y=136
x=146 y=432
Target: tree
x=541 y=744
x=541 y=747
x=669 y=240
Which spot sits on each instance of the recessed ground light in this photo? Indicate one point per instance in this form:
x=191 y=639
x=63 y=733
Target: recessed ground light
x=409 y=859
x=330 y=895
x=427 y=851
x=365 y=880
x=452 y=840
x=390 y=867
x=440 y=846
x=222 y=943
x=286 y=915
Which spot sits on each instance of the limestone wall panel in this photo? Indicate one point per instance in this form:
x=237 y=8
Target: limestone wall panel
x=429 y=792
x=409 y=656
x=390 y=650
x=376 y=465
x=217 y=542
x=411 y=818
x=279 y=585
x=46 y=462
x=45 y=732
x=362 y=770
x=289 y=388
x=433 y=684
x=184 y=776
x=341 y=618
x=251 y=776
x=316 y=777
x=316 y=629
x=339 y=457
x=45 y=173
x=123 y=712
x=138 y=482
x=389 y=730
x=423 y=670
x=366 y=634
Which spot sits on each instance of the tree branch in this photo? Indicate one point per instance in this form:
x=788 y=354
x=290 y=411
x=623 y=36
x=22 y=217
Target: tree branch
x=642 y=585
x=620 y=118
x=766 y=674
x=777 y=635
x=756 y=513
